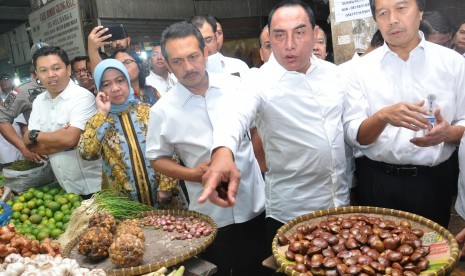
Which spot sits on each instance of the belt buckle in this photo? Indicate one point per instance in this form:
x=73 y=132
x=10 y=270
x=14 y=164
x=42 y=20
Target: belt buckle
x=407 y=171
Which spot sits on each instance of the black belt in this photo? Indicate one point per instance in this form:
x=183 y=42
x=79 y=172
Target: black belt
x=399 y=170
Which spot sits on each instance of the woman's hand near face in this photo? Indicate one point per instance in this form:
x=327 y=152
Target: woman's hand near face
x=103 y=103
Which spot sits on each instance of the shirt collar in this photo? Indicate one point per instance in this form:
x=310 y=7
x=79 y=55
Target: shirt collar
x=385 y=50
x=185 y=95
x=65 y=94
x=278 y=72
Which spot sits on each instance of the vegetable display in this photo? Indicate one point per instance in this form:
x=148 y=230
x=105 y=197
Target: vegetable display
x=24 y=165
x=43 y=212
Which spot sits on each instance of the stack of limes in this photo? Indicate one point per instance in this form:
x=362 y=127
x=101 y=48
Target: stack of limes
x=43 y=212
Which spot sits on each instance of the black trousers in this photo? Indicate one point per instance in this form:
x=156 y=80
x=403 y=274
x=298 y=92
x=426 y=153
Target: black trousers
x=417 y=189
x=239 y=249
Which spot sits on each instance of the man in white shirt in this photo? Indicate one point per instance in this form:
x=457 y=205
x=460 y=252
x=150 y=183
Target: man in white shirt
x=297 y=101
x=405 y=113
x=57 y=120
x=182 y=123
x=458 y=42
x=217 y=63
x=265 y=45
x=160 y=78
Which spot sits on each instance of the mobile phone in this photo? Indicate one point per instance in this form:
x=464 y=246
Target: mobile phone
x=117 y=32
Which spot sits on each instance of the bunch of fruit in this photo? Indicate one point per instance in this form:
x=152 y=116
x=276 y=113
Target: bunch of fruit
x=43 y=212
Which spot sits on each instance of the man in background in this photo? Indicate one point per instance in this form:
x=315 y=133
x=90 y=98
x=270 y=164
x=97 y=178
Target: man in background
x=265 y=45
x=216 y=61
x=82 y=74
x=160 y=78
x=20 y=102
x=437 y=28
x=319 y=48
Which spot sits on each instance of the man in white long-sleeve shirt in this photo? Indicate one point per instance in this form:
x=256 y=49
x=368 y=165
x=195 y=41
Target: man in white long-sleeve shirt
x=296 y=100
x=183 y=122
x=405 y=113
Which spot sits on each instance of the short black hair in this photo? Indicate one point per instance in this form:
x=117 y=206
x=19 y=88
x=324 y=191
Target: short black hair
x=144 y=68
x=79 y=58
x=377 y=40
x=435 y=22
x=180 y=30
x=420 y=4
x=292 y=3
x=199 y=20
x=50 y=50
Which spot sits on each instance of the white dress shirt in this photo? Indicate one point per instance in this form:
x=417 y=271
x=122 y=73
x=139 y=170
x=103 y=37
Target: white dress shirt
x=217 y=63
x=74 y=106
x=382 y=79
x=182 y=122
x=163 y=86
x=298 y=117
x=460 y=203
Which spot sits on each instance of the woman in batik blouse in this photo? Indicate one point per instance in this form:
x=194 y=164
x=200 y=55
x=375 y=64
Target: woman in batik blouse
x=117 y=134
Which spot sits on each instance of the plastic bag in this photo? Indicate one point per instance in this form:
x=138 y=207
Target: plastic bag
x=20 y=181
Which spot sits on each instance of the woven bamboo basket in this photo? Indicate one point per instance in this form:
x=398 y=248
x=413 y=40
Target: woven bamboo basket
x=435 y=235
x=160 y=251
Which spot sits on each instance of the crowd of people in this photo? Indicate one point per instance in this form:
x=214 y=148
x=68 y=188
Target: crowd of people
x=253 y=148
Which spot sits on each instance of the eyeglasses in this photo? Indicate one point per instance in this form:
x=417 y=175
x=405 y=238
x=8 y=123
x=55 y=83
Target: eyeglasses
x=128 y=61
x=79 y=71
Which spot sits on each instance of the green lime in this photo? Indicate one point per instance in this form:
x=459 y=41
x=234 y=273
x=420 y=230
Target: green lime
x=59 y=225
x=39 y=194
x=31 y=190
x=51 y=225
x=27 y=222
x=41 y=208
x=47 y=201
x=42 y=235
x=54 y=206
x=65 y=225
x=63 y=201
x=18 y=206
x=48 y=213
x=34 y=211
x=23 y=217
x=76 y=204
x=47 y=196
x=16 y=215
x=58 y=216
x=31 y=204
x=26 y=211
x=39 y=202
x=65 y=207
x=21 y=199
x=53 y=191
x=56 y=232
x=41 y=226
x=28 y=196
x=32 y=236
x=9 y=202
x=27 y=229
x=45 y=189
x=52 y=220
x=66 y=218
x=41 y=213
x=35 y=230
x=36 y=219
x=67 y=212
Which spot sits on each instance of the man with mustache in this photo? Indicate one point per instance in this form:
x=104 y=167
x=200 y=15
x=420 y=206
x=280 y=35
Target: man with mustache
x=405 y=114
x=182 y=122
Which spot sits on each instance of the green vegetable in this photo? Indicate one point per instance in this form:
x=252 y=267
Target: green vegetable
x=180 y=271
x=120 y=206
x=24 y=165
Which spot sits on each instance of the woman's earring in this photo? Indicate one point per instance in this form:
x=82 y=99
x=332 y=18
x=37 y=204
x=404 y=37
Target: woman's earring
x=38 y=81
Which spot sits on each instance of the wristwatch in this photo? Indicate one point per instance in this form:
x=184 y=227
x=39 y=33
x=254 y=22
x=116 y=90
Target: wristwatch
x=33 y=135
